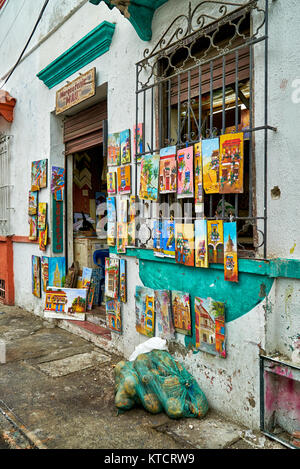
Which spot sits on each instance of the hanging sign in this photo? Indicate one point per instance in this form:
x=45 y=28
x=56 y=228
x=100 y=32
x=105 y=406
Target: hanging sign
x=78 y=90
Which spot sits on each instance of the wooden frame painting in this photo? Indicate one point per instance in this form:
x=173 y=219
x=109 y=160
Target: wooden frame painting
x=184 y=244
x=185 y=172
x=169 y=238
x=201 y=251
x=125 y=144
x=163 y=311
x=43 y=238
x=210 y=326
x=45 y=272
x=33 y=232
x=122 y=237
x=199 y=196
x=168 y=170
x=111 y=277
x=111 y=183
x=39 y=174
x=58 y=183
x=131 y=228
x=124 y=179
x=230 y=252
x=36 y=276
x=111 y=209
x=57 y=271
x=65 y=303
x=111 y=233
x=149 y=177
x=42 y=216
x=211 y=165
x=181 y=308
x=123 y=281
x=145 y=311
x=232 y=163
x=33 y=203
x=215 y=241
x=113 y=149
x=113 y=315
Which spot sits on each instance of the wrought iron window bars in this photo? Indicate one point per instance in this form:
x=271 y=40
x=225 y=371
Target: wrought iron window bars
x=191 y=61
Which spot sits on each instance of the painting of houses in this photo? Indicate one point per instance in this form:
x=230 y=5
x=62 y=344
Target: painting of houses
x=211 y=165
x=122 y=237
x=33 y=203
x=36 y=276
x=138 y=136
x=111 y=277
x=125 y=144
x=123 y=283
x=42 y=216
x=113 y=149
x=168 y=170
x=210 y=326
x=57 y=271
x=232 y=163
x=184 y=244
x=33 y=233
x=113 y=315
x=149 y=177
x=145 y=311
x=39 y=175
x=111 y=183
x=124 y=179
x=163 y=310
x=65 y=303
x=198 y=174
x=185 y=172
x=45 y=272
x=181 y=312
x=215 y=241
x=168 y=238
x=230 y=252
x=131 y=227
x=158 y=237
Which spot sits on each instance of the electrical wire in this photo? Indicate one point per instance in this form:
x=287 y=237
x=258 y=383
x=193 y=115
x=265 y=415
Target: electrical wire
x=27 y=43
x=10 y=28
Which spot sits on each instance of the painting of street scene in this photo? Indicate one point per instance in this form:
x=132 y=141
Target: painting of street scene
x=184 y=248
x=210 y=326
x=113 y=315
x=168 y=170
x=113 y=149
x=66 y=303
x=145 y=311
x=185 y=172
x=211 y=165
x=149 y=177
x=163 y=310
x=231 y=163
x=181 y=312
x=201 y=251
x=230 y=253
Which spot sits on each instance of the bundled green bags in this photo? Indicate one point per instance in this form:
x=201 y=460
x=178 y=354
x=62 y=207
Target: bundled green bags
x=158 y=383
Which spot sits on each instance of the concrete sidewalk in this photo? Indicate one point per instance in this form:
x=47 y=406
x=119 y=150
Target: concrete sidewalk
x=57 y=391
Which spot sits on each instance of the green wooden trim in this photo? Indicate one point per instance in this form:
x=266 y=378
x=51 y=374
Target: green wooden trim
x=87 y=49
x=140 y=13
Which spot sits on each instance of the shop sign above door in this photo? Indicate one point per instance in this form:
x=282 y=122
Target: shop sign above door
x=75 y=92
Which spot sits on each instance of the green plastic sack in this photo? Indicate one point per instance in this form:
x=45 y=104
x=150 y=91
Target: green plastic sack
x=158 y=383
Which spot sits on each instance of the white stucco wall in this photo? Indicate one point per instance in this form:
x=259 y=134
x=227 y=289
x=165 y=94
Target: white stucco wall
x=231 y=385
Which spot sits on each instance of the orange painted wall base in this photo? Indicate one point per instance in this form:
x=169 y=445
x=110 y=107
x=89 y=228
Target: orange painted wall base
x=7 y=269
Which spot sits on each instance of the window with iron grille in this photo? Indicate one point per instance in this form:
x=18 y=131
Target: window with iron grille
x=4 y=186
x=2 y=290
x=198 y=83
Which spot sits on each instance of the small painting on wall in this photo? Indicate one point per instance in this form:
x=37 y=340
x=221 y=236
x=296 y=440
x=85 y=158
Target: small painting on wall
x=181 y=312
x=215 y=241
x=145 y=311
x=36 y=276
x=125 y=143
x=184 y=248
x=113 y=149
x=230 y=252
x=113 y=315
x=33 y=203
x=111 y=277
x=210 y=326
x=163 y=310
x=39 y=174
x=58 y=183
x=57 y=271
x=201 y=251
x=211 y=165
x=185 y=172
x=168 y=170
x=149 y=177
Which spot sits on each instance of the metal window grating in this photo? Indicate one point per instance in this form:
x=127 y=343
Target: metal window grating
x=2 y=289
x=4 y=186
x=217 y=40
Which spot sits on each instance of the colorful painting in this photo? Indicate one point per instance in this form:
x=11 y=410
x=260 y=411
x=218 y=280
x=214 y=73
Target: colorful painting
x=43 y=238
x=181 y=312
x=185 y=172
x=230 y=252
x=158 y=237
x=111 y=209
x=123 y=210
x=57 y=271
x=42 y=216
x=86 y=277
x=232 y=163
x=168 y=170
x=58 y=183
x=149 y=177
x=38 y=175
x=90 y=296
x=124 y=179
x=125 y=144
x=122 y=237
x=33 y=203
x=113 y=150
x=201 y=250
x=169 y=238
x=65 y=303
x=199 y=197
x=145 y=311
x=163 y=310
x=45 y=272
x=215 y=241
x=123 y=282
x=111 y=277
x=36 y=276
x=33 y=233
x=131 y=228
x=111 y=183
x=211 y=165
x=111 y=233
x=184 y=244
x=138 y=135
x=113 y=315
x=210 y=326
